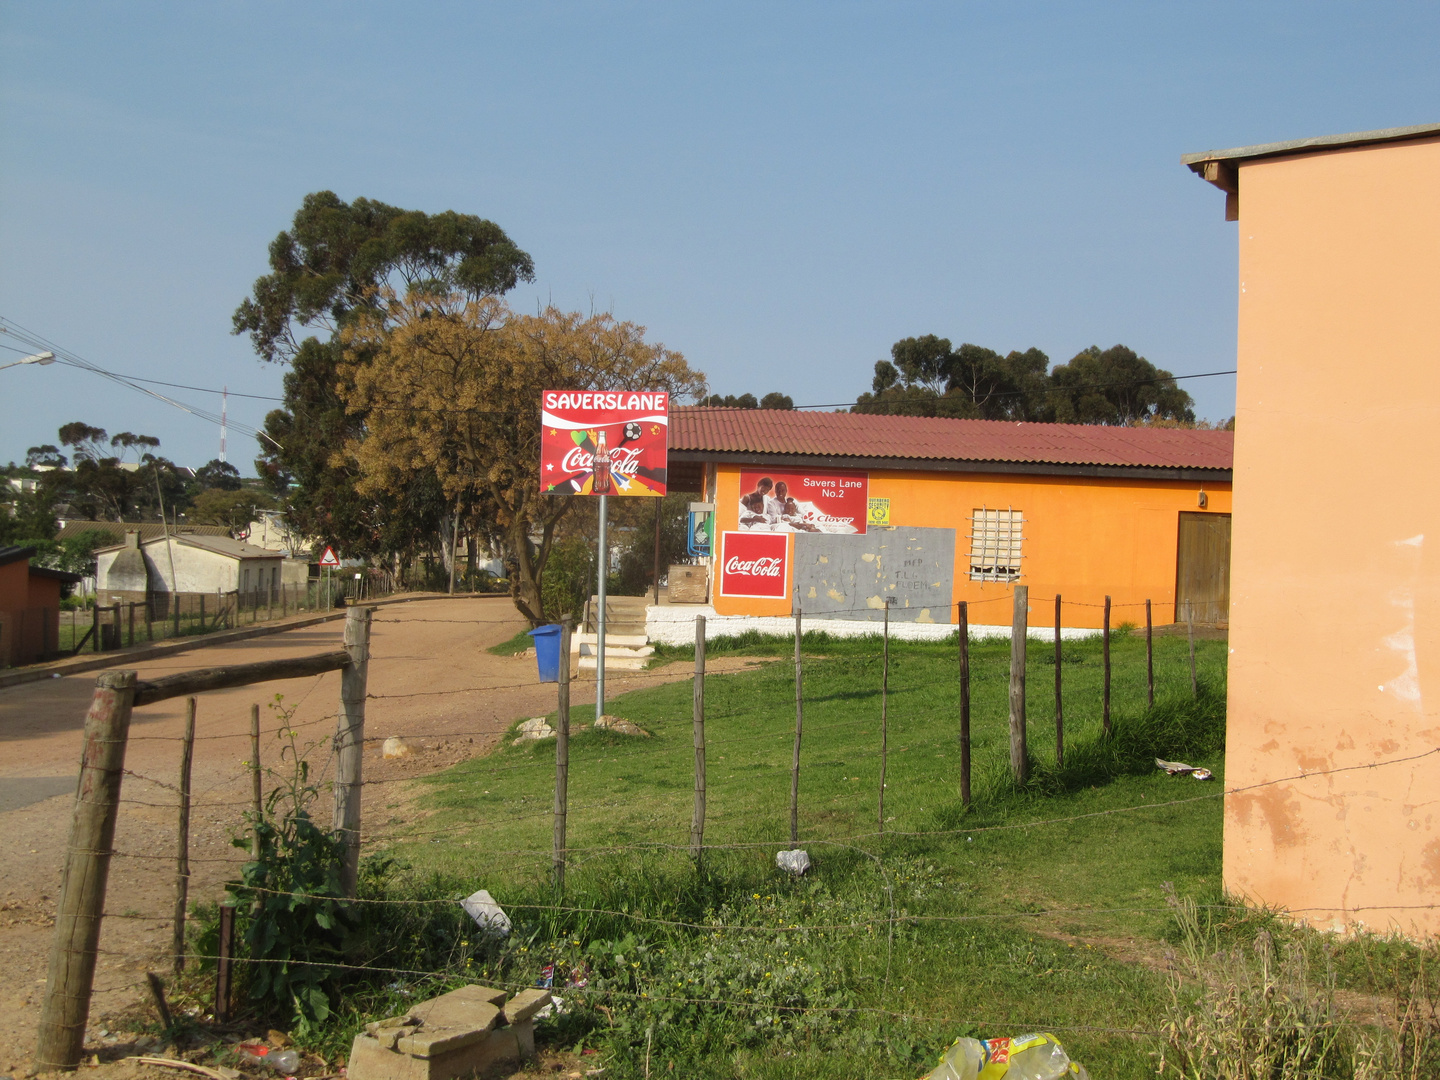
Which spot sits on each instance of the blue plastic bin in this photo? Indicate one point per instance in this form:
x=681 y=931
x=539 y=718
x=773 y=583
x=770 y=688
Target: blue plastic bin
x=547 y=652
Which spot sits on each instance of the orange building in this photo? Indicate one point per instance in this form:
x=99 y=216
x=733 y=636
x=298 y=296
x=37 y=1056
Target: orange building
x=29 y=607
x=850 y=510
x=1335 y=603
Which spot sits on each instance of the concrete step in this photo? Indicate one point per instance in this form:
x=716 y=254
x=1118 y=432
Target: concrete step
x=612 y=640
x=613 y=663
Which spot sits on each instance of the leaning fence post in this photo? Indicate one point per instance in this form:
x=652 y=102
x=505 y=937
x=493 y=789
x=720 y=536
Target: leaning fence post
x=964 y=703
x=1059 y=700
x=350 y=742
x=799 y=725
x=87 y=866
x=1149 y=657
x=1190 y=630
x=182 y=841
x=1105 y=657
x=562 y=755
x=697 y=819
x=1019 y=627
x=884 y=710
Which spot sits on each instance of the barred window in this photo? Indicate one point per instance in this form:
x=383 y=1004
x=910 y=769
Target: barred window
x=995 y=541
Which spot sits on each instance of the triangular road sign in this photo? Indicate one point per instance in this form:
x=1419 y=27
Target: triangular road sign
x=329 y=559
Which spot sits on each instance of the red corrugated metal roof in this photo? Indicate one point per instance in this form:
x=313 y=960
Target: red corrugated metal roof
x=782 y=431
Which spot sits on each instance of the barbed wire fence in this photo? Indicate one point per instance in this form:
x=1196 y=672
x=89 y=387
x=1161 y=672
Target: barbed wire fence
x=81 y=905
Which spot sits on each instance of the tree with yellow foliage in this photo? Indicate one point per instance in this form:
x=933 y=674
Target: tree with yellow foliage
x=451 y=383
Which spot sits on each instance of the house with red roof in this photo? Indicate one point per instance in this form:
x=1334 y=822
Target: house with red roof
x=844 y=514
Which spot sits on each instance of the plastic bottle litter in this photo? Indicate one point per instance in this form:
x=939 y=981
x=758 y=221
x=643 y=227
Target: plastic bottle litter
x=282 y=1061
x=1025 y=1057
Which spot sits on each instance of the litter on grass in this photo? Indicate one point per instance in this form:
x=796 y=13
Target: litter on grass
x=1025 y=1057
x=488 y=915
x=1179 y=768
x=795 y=862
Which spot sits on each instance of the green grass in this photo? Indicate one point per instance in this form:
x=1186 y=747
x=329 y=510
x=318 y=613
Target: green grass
x=1023 y=922
x=514 y=646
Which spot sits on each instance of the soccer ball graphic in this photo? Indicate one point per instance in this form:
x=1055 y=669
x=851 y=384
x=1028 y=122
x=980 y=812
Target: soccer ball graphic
x=632 y=431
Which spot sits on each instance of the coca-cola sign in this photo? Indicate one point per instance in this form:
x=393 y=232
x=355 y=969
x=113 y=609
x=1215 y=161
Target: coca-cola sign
x=603 y=443
x=754 y=564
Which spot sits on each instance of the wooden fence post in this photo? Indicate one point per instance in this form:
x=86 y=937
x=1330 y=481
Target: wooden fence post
x=350 y=742
x=182 y=840
x=1059 y=699
x=562 y=756
x=256 y=788
x=222 y=963
x=87 y=867
x=132 y=623
x=697 y=818
x=1149 y=657
x=175 y=614
x=799 y=726
x=1190 y=630
x=964 y=703
x=95 y=622
x=884 y=710
x=149 y=617
x=1019 y=627
x=1105 y=657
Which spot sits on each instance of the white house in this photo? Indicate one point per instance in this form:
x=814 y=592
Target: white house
x=185 y=563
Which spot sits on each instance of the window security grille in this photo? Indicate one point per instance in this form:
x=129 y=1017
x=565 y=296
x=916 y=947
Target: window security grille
x=995 y=541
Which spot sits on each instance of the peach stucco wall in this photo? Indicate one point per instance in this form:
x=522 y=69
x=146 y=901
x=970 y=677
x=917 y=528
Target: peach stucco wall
x=1335 y=597
x=1084 y=537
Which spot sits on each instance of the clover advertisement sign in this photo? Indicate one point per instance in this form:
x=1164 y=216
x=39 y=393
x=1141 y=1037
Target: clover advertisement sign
x=603 y=442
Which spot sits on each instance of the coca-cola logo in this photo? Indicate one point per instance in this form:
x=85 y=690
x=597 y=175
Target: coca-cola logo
x=754 y=564
x=622 y=460
x=766 y=567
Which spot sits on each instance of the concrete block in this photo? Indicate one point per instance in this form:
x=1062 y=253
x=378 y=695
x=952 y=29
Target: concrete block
x=524 y=1005
x=448 y=1037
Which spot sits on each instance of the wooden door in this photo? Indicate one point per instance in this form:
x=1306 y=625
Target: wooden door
x=1202 y=569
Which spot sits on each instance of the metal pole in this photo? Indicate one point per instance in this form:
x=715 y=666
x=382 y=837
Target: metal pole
x=697 y=818
x=799 y=725
x=562 y=756
x=604 y=573
x=658 y=504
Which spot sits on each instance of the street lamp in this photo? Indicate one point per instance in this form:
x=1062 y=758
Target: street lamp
x=41 y=358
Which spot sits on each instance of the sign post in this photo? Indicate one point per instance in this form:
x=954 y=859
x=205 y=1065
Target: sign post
x=328 y=562
x=603 y=443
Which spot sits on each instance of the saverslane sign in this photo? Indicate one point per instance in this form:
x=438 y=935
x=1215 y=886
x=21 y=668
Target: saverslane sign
x=603 y=443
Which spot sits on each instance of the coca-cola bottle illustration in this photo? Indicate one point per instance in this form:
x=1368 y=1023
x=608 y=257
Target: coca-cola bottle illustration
x=600 y=466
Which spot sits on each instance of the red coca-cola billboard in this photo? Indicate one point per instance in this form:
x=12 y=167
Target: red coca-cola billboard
x=754 y=564
x=603 y=442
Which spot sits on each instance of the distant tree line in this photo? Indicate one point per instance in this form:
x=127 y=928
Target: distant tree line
x=773 y=400
x=927 y=376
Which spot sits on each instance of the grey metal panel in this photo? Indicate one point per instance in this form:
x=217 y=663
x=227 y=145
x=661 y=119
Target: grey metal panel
x=849 y=577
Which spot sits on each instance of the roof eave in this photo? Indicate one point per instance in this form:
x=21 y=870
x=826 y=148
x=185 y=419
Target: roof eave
x=1030 y=468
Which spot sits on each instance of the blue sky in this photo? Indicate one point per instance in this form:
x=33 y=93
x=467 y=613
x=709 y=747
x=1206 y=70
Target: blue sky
x=779 y=191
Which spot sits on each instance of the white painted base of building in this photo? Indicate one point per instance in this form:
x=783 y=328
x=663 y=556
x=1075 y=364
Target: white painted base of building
x=674 y=624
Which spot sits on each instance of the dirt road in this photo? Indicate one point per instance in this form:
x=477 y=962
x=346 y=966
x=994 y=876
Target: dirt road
x=434 y=684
